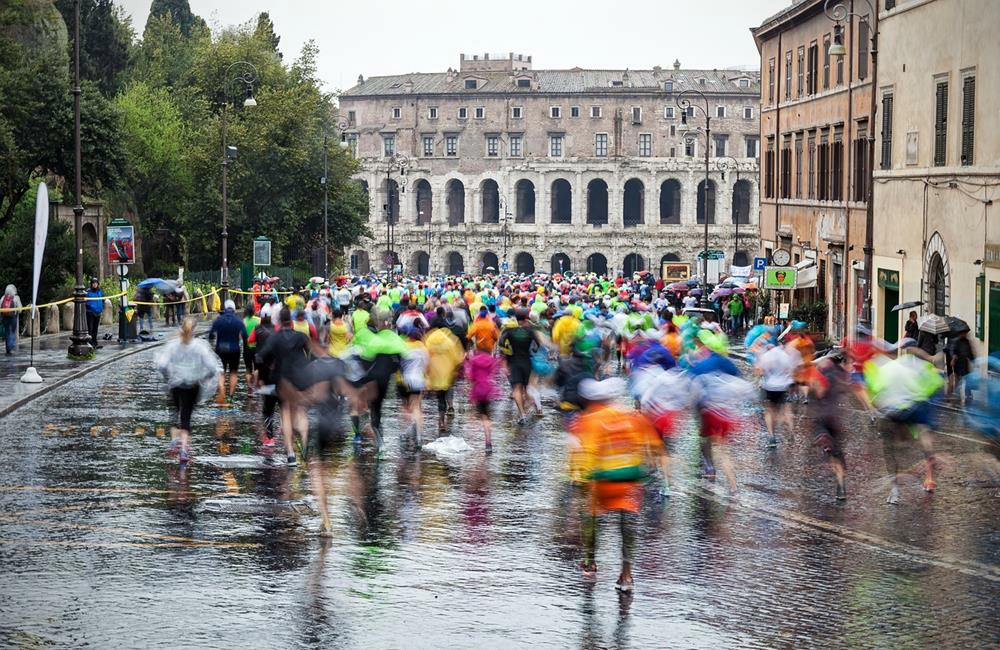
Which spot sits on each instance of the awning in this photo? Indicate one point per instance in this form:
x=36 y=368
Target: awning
x=806 y=274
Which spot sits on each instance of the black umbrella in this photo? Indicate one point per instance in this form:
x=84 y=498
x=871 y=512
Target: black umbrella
x=908 y=305
x=956 y=326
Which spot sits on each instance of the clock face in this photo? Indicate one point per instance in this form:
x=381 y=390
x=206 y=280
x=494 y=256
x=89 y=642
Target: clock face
x=780 y=257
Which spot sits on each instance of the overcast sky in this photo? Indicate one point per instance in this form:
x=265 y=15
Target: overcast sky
x=379 y=37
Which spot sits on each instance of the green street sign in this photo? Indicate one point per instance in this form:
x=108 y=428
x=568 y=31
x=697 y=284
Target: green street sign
x=713 y=254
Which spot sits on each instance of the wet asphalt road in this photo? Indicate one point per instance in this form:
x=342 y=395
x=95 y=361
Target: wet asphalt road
x=104 y=541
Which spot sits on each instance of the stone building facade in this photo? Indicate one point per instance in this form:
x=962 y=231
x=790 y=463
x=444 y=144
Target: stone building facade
x=814 y=126
x=497 y=165
x=937 y=165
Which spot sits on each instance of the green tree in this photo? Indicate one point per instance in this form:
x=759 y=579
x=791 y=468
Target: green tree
x=17 y=244
x=36 y=124
x=106 y=37
x=180 y=14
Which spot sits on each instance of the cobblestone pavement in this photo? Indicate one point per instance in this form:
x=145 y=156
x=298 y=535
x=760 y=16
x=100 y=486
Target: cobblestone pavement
x=106 y=541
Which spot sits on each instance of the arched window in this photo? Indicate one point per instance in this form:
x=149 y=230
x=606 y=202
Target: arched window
x=560 y=263
x=359 y=263
x=455 y=199
x=524 y=263
x=937 y=286
x=633 y=263
x=422 y=263
x=598 y=264
x=456 y=264
x=597 y=201
x=425 y=202
x=490 y=196
x=706 y=202
x=633 y=202
x=525 y=192
x=741 y=258
x=670 y=257
x=490 y=262
x=562 y=201
x=391 y=205
x=670 y=202
x=741 y=203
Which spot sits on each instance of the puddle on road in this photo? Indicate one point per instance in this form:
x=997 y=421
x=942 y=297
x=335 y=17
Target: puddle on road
x=107 y=539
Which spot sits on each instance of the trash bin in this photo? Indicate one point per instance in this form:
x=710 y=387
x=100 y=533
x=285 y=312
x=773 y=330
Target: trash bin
x=128 y=330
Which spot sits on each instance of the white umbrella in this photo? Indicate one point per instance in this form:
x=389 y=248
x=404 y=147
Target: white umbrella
x=933 y=324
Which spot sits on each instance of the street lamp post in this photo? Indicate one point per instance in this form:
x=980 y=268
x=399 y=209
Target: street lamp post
x=326 y=194
x=245 y=73
x=401 y=163
x=505 y=231
x=838 y=11
x=684 y=102
x=79 y=346
x=736 y=210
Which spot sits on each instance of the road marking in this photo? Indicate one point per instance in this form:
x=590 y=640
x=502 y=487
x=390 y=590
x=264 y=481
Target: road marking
x=83 y=544
x=874 y=542
x=123 y=531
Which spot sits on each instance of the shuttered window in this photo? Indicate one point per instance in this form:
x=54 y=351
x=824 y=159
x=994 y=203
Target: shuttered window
x=886 y=131
x=864 y=33
x=968 y=120
x=941 y=124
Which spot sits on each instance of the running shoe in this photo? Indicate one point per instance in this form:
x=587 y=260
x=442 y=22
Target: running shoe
x=930 y=485
x=841 y=492
x=290 y=461
x=173 y=448
x=625 y=587
x=772 y=442
x=357 y=438
x=268 y=441
x=664 y=489
x=451 y=410
x=589 y=570
x=893 y=497
x=183 y=457
x=709 y=473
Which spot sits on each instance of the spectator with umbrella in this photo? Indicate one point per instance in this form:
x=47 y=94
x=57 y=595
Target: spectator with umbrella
x=962 y=357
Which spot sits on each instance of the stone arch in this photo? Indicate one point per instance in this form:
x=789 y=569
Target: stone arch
x=456 y=265
x=524 y=263
x=670 y=202
x=670 y=257
x=597 y=201
x=489 y=196
x=937 y=277
x=359 y=262
x=706 y=202
x=425 y=201
x=420 y=263
x=597 y=263
x=633 y=202
x=561 y=263
x=741 y=202
x=489 y=262
x=92 y=248
x=455 y=200
x=561 y=200
x=524 y=192
x=741 y=257
x=632 y=263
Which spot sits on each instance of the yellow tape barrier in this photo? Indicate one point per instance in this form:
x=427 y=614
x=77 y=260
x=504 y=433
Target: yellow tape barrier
x=213 y=293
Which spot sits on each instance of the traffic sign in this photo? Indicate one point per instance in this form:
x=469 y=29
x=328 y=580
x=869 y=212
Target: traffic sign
x=759 y=263
x=504 y=266
x=713 y=254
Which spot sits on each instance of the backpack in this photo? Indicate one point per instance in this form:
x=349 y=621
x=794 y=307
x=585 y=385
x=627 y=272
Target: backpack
x=7 y=302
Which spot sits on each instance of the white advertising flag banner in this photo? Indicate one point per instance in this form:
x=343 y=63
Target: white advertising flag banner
x=41 y=231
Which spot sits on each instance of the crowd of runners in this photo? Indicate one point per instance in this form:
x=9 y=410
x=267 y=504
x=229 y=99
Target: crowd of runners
x=629 y=368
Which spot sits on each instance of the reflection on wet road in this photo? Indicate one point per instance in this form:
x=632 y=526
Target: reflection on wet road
x=104 y=540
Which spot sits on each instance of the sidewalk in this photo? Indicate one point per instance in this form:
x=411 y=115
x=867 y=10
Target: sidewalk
x=57 y=369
